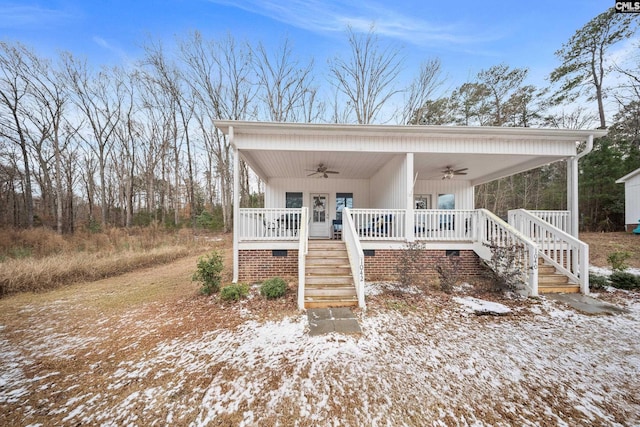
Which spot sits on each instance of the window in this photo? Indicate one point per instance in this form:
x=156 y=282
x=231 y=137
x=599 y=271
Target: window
x=446 y=201
x=343 y=200
x=293 y=200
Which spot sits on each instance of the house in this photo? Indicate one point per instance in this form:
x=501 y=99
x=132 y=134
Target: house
x=342 y=201
x=631 y=200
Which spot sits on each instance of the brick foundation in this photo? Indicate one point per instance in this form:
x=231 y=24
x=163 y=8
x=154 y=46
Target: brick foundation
x=257 y=265
x=383 y=264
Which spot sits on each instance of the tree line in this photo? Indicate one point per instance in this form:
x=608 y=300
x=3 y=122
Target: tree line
x=131 y=145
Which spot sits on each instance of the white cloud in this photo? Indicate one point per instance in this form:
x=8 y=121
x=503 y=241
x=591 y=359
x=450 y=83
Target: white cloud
x=14 y=15
x=333 y=16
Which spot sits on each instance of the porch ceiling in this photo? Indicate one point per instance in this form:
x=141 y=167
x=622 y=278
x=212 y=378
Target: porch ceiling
x=293 y=150
x=358 y=165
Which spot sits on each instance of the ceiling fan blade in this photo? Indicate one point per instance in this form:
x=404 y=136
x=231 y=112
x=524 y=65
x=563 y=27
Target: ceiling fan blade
x=459 y=173
x=311 y=174
x=460 y=170
x=331 y=172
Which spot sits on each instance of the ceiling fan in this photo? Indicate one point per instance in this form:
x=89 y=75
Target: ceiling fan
x=449 y=172
x=322 y=170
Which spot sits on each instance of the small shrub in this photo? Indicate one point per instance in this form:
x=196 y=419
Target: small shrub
x=409 y=265
x=273 y=288
x=234 y=292
x=623 y=280
x=618 y=260
x=598 y=282
x=209 y=272
x=505 y=268
x=448 y=272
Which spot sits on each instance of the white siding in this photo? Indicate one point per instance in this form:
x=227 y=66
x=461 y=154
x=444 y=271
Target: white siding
x=388 y=143
x=632 y=200
x=276 y=189
x=388 y=186
x=463 y=191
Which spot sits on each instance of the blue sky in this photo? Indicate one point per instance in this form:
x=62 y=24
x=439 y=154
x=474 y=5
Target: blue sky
x=466 y=35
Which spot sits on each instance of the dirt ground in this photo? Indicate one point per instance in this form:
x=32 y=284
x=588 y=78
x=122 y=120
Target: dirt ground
x=145 y=348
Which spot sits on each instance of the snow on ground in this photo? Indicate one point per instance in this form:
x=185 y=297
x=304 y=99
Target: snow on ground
x=540 y=365
x=606 y=271
x=479 y=306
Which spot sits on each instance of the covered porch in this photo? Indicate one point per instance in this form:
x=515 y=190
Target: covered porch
x=383 y=186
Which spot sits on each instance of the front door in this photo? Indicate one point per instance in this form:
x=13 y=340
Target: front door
x=319 y=226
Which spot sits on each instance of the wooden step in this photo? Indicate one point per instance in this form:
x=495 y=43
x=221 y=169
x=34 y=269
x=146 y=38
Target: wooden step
x=546 y=269
x=328 y=280
x=320 y=253
x=326 y=303
x=569 y=288
x=555 y=279
x=328 y=270
x=331 y=293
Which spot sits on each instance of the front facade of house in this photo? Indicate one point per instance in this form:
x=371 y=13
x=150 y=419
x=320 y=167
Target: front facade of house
x=376 y=188
x=631 y=183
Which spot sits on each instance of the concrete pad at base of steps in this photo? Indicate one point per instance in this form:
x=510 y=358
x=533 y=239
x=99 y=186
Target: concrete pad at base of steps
x=587 y=304
x=327 y=320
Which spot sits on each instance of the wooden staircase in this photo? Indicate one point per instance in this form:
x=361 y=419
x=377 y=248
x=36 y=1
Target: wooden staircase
x=328 y=280
x=550 y=281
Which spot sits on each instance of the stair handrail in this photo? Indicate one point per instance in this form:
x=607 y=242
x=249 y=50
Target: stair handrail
x=355 y=253
x=569 y=255
x=303 y=250
x=493 y=230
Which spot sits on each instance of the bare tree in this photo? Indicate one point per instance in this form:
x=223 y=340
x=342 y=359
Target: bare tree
x=421 y=90
x=283 y=82
x=14 y=89
x=367 y=78
x=99 y=98
x=169 y=77
x=220 y=78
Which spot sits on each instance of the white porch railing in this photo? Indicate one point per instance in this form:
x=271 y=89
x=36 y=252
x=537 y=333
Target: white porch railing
x=355 y=252
x=379 y=224
x=269 y=224
x=491 y=230
x=567 y=254
x=303 y=249
x=559 y=219
x=445 y=225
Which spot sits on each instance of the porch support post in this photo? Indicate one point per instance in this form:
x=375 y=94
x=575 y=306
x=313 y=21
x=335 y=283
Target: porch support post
x=572 y=187
x=236 y=206
x=409 y=217
x=572 y=195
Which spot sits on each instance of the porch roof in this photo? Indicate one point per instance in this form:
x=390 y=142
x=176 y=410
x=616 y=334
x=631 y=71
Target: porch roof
x=290 y=150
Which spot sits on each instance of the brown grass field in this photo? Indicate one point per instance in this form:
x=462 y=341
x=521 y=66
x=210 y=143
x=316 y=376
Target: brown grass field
x=81 y=349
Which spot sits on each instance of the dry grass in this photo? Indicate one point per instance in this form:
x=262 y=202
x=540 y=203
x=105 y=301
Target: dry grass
x=603 y=244
x=39 y=259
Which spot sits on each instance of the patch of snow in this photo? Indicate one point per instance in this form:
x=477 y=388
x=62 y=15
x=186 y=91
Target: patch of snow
x=606 y=271
x=479 y=306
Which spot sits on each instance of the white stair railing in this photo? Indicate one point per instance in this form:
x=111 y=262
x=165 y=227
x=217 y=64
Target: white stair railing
x=570 y=256
x=303 y=250
x=493 y=231
x=356 y=254
x=559 y=219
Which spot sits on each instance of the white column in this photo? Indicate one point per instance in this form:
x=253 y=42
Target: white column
x=409 y=217
x=236 y=205
x=572 y=196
